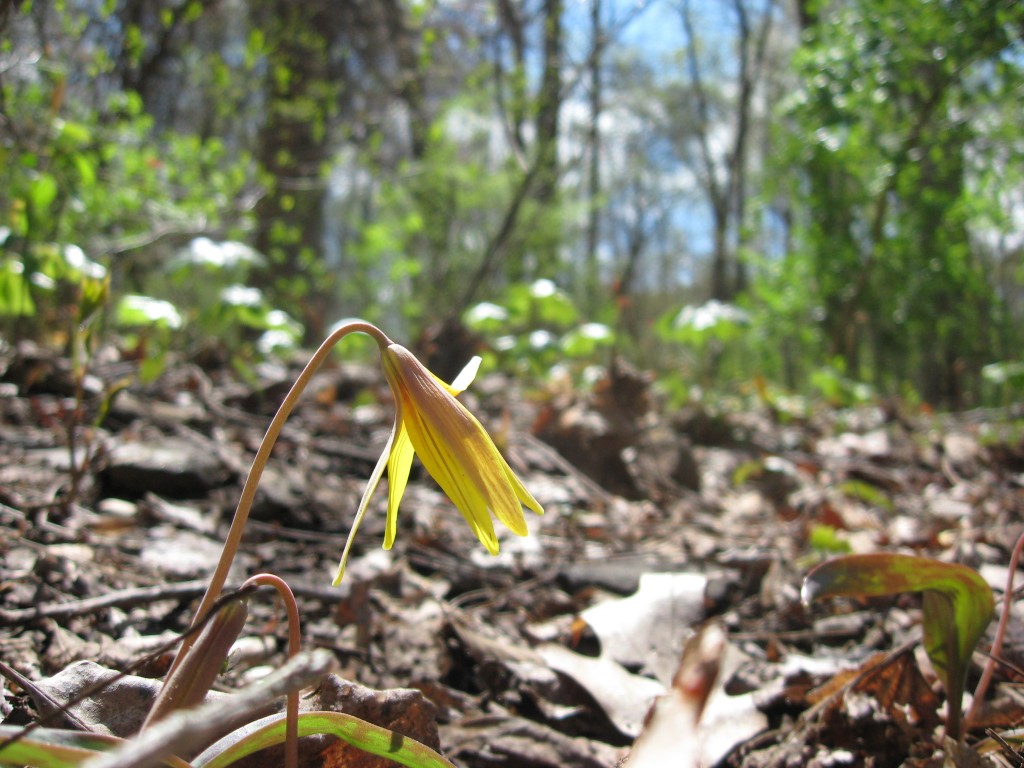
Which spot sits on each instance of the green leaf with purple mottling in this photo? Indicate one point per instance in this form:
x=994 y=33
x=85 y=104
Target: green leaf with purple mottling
x=956 y=609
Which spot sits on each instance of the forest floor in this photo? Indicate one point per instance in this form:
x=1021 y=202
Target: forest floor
x=550 y=653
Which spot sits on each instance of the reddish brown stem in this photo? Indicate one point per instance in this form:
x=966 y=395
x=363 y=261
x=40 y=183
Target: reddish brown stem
x=291 y=754
x=997 y=643
x=234 y=537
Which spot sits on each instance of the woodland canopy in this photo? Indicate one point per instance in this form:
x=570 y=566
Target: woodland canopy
x=813 y=197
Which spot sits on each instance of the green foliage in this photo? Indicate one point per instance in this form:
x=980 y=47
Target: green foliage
x=88 y=182
x=957 y=607
x=837 y=389
x=825 y=538
x=201 y=301
x=50 y=278
x=423 y=226
x=359 y=733
x=711 y=340
x=110 y=171
x=51 y=748
x=891 y=247
x=713 y=323
x=869 y=494
x=135 y=311
x=1007 y=379
x=902 y=138
x=535 y=328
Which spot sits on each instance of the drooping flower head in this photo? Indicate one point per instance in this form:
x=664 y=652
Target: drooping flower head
x=453 y=447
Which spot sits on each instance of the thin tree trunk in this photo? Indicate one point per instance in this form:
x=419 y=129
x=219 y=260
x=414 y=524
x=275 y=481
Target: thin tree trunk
x=592 y=276
x=548 y=111
x=292 y=148
x=512 y=25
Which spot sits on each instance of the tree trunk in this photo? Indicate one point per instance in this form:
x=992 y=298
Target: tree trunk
x=515 y=104
x=549 y=105
x=293 y=149
x=591 y=268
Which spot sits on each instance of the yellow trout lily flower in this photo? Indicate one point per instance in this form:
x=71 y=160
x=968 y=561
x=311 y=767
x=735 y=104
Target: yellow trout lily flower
x=453 y=446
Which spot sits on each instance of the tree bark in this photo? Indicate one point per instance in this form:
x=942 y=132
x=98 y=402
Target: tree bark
x=549 y=106
x=515 y=105
x=592 y=275
x=293 y=148
x=725 y=178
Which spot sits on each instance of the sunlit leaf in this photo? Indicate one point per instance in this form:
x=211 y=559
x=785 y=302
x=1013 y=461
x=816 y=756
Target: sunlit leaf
x=134 y=310
x=584 y=340
x=827 y=538
x=74 y=133
x=865 y=492
x=359 y=733
x=486 y=317
x=214 y=256
x=540 y=302
x=697 y=325
x=1001 y=373
x=86 y=168
x=15 y=297
x=49 y=748
x=95 y=294
x=55 y=748
x=43 y=192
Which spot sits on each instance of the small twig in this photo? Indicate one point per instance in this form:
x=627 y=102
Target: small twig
x=43 y=700
x=95 y=688
x=1006 y=664
x=1008 y=752
x=121 y=599
x=17 y=514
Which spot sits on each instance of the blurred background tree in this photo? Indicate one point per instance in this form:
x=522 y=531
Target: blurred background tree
x=841 y=180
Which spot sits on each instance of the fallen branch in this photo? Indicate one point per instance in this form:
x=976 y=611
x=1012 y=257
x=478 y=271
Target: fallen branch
x=121 y=599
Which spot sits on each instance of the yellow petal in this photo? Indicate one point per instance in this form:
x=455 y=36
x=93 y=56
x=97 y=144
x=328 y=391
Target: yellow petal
x=450 y=474
x=465 y=377
x=364 y=503
x=399 y=464
x=456 y=449
x=520 y=490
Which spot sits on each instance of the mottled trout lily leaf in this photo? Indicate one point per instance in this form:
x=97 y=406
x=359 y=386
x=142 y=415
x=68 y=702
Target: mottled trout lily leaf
x=956 y=609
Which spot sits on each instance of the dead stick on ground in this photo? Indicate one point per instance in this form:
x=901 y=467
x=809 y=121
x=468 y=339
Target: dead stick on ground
x=47 y=705
x=120 y=599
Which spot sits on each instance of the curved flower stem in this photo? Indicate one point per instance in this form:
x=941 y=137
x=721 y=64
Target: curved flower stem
x=997 y=643
x=234 y=537
x=291 y=753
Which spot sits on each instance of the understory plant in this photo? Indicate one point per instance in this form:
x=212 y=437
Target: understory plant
x=454 y=448
x=957 y=606
x=535 y=329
